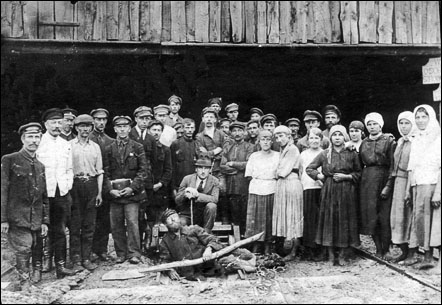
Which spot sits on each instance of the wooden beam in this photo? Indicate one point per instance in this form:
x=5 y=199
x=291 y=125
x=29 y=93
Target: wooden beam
x=385 y=27
x=30 y=19
x=215 y=21
x=178 y=21
x=202 y=21
x=190 y=21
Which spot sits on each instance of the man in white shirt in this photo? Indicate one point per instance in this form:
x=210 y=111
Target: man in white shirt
x=161 y=113
x=56 y=155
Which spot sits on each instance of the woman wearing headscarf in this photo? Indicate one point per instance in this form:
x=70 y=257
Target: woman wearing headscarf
x=356 y=133
x=288 y=217
x=400 y=217
x=424 y=179
x=376 y=152
x=341 y=170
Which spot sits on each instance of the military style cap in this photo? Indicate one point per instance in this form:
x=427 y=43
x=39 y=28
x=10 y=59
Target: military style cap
x=99 y=113
x=155 y=122
x=166 y=214
x=251 y=122
x=69 y=113
x=84 y=119
x=176 y=99
x=161 y=109
x=293 y=120
x=52 y=114
x=256 y=110
x=237 y=125
x=203 y=162
x=215 y=100
x=143 y=111
x=331 y=108
x=268 y=117
x=121 y=120
x=178 y=125
x=312 y=115
x=207 y=110
x=221 y=121
x=29 y=128
x=232 y=107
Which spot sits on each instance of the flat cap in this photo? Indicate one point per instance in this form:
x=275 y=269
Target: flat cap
x=222 y=120
x=312 y=115
x=207 y=110
x=215 y=100
x=252 y=122
x=166 y=214
x=143 y=111
x=256 y=110
x=293 y=120
x=237 y=125
x=121 y=120
x=84 y=119
x=232 y=107
x=203 y=162
x=52 y=114
x=268 y=117
x=178 y=125
x=32 y=127
x=155 y=122
x=161 y=109
x=331 y=108
x=69 y=113
x=99 y=113
x=176 y=99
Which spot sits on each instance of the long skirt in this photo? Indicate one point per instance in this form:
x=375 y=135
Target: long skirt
x=312 y=202
x=337 y=222
x=400 y=218
x=435 y=236
x=421 y=216
x=288 y=217
x=259 y=216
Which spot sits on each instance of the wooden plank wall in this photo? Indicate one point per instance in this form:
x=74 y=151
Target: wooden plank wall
x=252 y=22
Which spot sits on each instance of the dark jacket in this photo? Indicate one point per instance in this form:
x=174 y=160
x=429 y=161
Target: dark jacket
x=24 y=199
x=150 y=148
x=101 y=139
x=162 y=167
x=209 y=194
x=184 y=154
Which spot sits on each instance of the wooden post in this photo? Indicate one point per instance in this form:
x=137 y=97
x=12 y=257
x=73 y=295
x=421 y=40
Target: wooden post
x=134 y=20
x=368 y=16
x=190 y=21
x=214 y=21
x=261 y=22
x=237 y=17
x=385 y=28
x=202 y=21
x=30 y=19
x=178 y=21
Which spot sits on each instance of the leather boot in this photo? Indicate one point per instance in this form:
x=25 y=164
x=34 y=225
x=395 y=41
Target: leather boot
x=36 y=272
x=22 y=266
x=62 y=271
x=47 y=255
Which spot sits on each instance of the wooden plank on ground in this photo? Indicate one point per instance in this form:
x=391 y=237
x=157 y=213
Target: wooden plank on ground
x=134 y=20
x=190 y=21
x=214 y=21
x=178 y=21
x=64 y=12
x=112 y=20
x=99 y=26
x=335 y=9
x=30 y=19
x=250 y=15
x=322 y=22
x=349 y=20
x=202 y=21
x=368 y=12
x=273 y=21
x=385 y=27
x=416 y=21
x=433 y=22
x=123 y=21
x=226 y=28
x=17 y=19
x=166 y=26
x=285 y=35
x=237 y=18
x=402 y=21
x=261 y=22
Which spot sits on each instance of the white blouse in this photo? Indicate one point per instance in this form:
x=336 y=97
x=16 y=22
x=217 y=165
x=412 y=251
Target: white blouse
x=262 y=168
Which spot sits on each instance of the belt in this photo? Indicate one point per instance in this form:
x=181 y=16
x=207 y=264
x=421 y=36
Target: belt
x=84 y=178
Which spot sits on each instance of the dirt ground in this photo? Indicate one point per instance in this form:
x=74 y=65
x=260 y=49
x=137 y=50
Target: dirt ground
x=361 y=281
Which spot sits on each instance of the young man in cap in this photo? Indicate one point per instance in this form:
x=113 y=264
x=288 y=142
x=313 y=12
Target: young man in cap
x=169 y=134
x=294 y=125
x=253 y=130
x=179 y=128
x=233 y=165
x=186 y=242
x=56 y=155
x=224 y=126
x=24 y=203
x=67 y=125
x=270 y=122
x=216 y=104
x=312 y=119
x=332 y=117
x=256 y=114
x=232 y=112
x=199 y=192
x=125 y=167
x=102 y=224
x=175 y=103
x=86 y=192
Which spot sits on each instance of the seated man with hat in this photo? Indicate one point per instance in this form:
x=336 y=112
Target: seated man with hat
x=186 y=243
x=199 y=193
x=294 y=124
x=312 y=118
x=67 y=124
x=169 y=134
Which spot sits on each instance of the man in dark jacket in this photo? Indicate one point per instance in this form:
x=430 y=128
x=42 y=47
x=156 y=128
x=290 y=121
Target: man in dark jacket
x=24 y=202
x=124 y=176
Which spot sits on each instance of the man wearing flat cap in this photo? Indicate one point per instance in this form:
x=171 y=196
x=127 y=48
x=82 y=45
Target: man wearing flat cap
x=270 y=122
x=169 y=134
x=256 y=114
x=86 y=192
x=294 y=125
x=24 y=203
x=332 y=117
x=216 y=104
x=175 y=103
x=102 y=224
x=312 y=118
x=56 y=155
x=67 y=125
x=232 y=112
x=199 y=192
x=125 y=167
x=253 y=129
x=233 y=165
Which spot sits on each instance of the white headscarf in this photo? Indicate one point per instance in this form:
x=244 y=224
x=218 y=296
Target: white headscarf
x=409 y=116
x=374 y=116
x=336 y=128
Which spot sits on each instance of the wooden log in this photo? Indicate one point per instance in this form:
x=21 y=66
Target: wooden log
x=273 y=21
x=215 y=21
x=178 y=21
x=237 y=18
x=261 y=22
x=250 y=16
x=323 y=26
x=368 y=16
x=123 y=20
x=226 y=28
x=433 y=22
x=86 y=16
x=416 y=21
x=402 y=15
x=30 y=19
x=193 y=262
x=46 y=13
x=17 y=19
x=112 y=20
x=134 y=20
x=6 y=18
x=385 y=27
x=166 y=26
x=190 y=21
x=202 y=21
x=336 y=33
x=64 y=12
x=285 y=31
x=99 y=26
x=349 y=19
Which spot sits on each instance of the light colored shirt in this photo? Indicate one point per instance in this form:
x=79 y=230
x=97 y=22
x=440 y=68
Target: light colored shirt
x=425 y=160
x=307 y=156
x=86 y=158
x=168 y=136
x=56 y=156
x=262 y=168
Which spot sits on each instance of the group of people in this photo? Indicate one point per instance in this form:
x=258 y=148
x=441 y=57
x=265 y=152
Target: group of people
x=320 y=190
